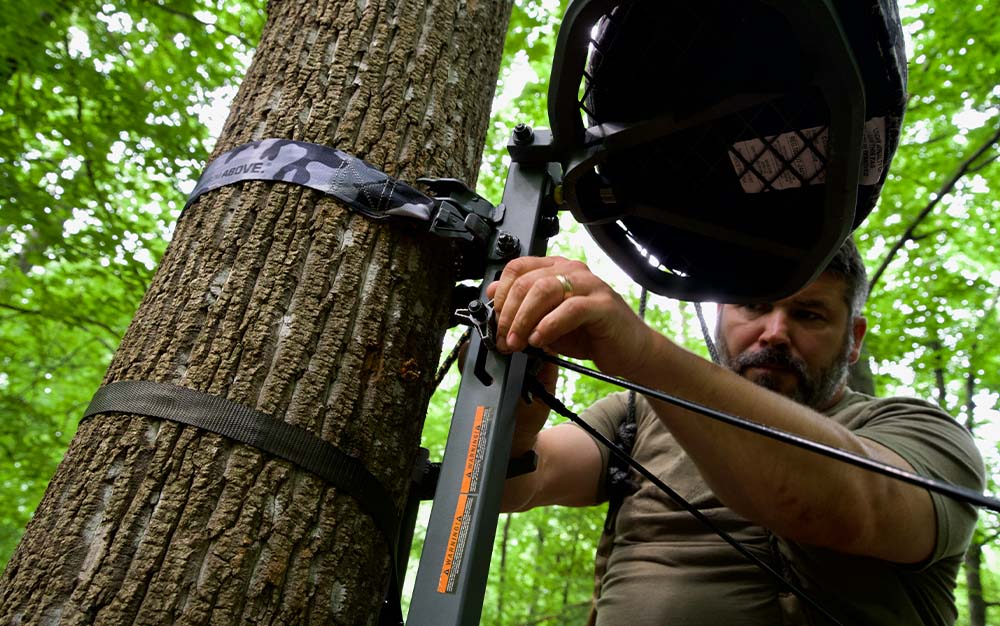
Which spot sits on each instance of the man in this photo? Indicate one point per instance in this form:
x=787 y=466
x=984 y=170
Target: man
x=869 y=549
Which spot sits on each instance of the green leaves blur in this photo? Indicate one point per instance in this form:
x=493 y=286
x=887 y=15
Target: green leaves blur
x=102 y=126
x=933 y=310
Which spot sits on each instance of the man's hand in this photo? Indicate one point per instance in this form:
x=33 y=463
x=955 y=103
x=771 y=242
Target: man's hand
x=534 y=308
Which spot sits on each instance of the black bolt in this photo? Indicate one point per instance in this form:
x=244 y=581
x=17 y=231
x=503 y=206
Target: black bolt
x=523 y=134
x=478 y=311
x=507 y=245
x=549 y=226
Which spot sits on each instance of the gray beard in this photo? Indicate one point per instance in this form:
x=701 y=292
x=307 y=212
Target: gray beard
x=814 y=391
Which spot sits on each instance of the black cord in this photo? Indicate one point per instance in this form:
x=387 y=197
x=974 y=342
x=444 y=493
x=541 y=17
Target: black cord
x=955 y=492
x=709 y=343
x=643 y=300
x=451 y=358
x=539 y=391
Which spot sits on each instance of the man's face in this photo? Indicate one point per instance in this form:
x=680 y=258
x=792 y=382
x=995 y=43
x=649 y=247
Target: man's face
x=799 y=347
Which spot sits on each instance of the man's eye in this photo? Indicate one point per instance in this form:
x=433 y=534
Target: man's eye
x=810 y=316
x=757 y=308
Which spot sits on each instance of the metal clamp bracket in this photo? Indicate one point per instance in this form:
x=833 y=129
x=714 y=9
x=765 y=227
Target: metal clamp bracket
x=461 y=213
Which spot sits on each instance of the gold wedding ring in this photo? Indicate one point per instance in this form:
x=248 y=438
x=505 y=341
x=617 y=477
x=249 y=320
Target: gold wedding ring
x=566 y=285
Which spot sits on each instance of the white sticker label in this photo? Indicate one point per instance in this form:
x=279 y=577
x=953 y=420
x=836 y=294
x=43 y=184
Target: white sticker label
x=794 y=159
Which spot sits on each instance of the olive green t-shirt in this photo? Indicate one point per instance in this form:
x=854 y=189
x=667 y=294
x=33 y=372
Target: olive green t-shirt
x=667 y=569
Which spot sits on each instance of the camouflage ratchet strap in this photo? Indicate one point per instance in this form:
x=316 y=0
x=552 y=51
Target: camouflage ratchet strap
x=349 y=179
x=452 y=211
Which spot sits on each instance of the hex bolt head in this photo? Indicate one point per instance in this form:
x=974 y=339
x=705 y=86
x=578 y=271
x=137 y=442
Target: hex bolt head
x=523 y=134
x=478 y=310
x=507 y=245
x=549 y=226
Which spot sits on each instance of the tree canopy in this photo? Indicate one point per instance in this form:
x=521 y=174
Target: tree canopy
x=105 y=116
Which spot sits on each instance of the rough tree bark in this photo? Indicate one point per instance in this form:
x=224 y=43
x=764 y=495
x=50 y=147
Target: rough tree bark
x=276 y=297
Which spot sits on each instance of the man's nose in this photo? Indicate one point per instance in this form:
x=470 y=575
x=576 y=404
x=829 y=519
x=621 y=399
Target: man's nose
x=776 y=328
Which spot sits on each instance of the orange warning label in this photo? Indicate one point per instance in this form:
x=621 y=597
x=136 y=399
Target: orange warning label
x=469 y=491
x=444 y=581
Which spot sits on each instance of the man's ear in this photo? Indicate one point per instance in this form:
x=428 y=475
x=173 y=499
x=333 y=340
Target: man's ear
x=858 y=328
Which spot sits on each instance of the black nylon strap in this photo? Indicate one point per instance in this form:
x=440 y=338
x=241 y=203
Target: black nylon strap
x=257 y=429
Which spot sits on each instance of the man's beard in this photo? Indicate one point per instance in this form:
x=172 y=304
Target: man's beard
x=813 y=390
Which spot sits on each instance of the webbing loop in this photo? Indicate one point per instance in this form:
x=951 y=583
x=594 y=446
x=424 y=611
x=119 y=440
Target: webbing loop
x=268 y=434
x=254 y=428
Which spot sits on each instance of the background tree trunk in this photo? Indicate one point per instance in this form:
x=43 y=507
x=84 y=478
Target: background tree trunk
x=973 y=558
x=973 y=562
x=859 y=375
x=276 y=297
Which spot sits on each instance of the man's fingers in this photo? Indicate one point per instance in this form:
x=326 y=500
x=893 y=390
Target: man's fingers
x=509 y=308
x=566 y=318
x=528 y=302
x=512 y=272
x=531 y=288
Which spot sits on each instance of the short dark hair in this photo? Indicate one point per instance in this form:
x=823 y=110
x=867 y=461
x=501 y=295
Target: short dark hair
x=847 y=265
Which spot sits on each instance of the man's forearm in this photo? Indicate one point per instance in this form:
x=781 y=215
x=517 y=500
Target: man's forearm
x=568 y=472
x=797 y=494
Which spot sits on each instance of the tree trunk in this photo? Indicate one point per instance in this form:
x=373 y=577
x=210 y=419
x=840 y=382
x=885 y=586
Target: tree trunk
x=859 y=375
x=503 y=565
x=973 y=559
x=973 y=562
x=276 y=297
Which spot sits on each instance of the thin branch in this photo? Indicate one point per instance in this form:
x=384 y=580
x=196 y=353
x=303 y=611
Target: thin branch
x=986 y=163
x=939 y=384
x=51 y=369
x=77 y=321
x=945 y=188
x=923 y=236
x=192 y=18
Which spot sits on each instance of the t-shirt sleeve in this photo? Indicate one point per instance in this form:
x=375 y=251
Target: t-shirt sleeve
x=937 y=447
x=604 y=416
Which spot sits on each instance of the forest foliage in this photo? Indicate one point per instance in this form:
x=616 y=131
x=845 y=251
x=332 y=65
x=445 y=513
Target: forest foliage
x=106 y=111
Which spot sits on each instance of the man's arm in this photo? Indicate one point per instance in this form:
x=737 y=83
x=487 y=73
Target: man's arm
x=797 y=494
x=568 y=473
x=569 y=462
